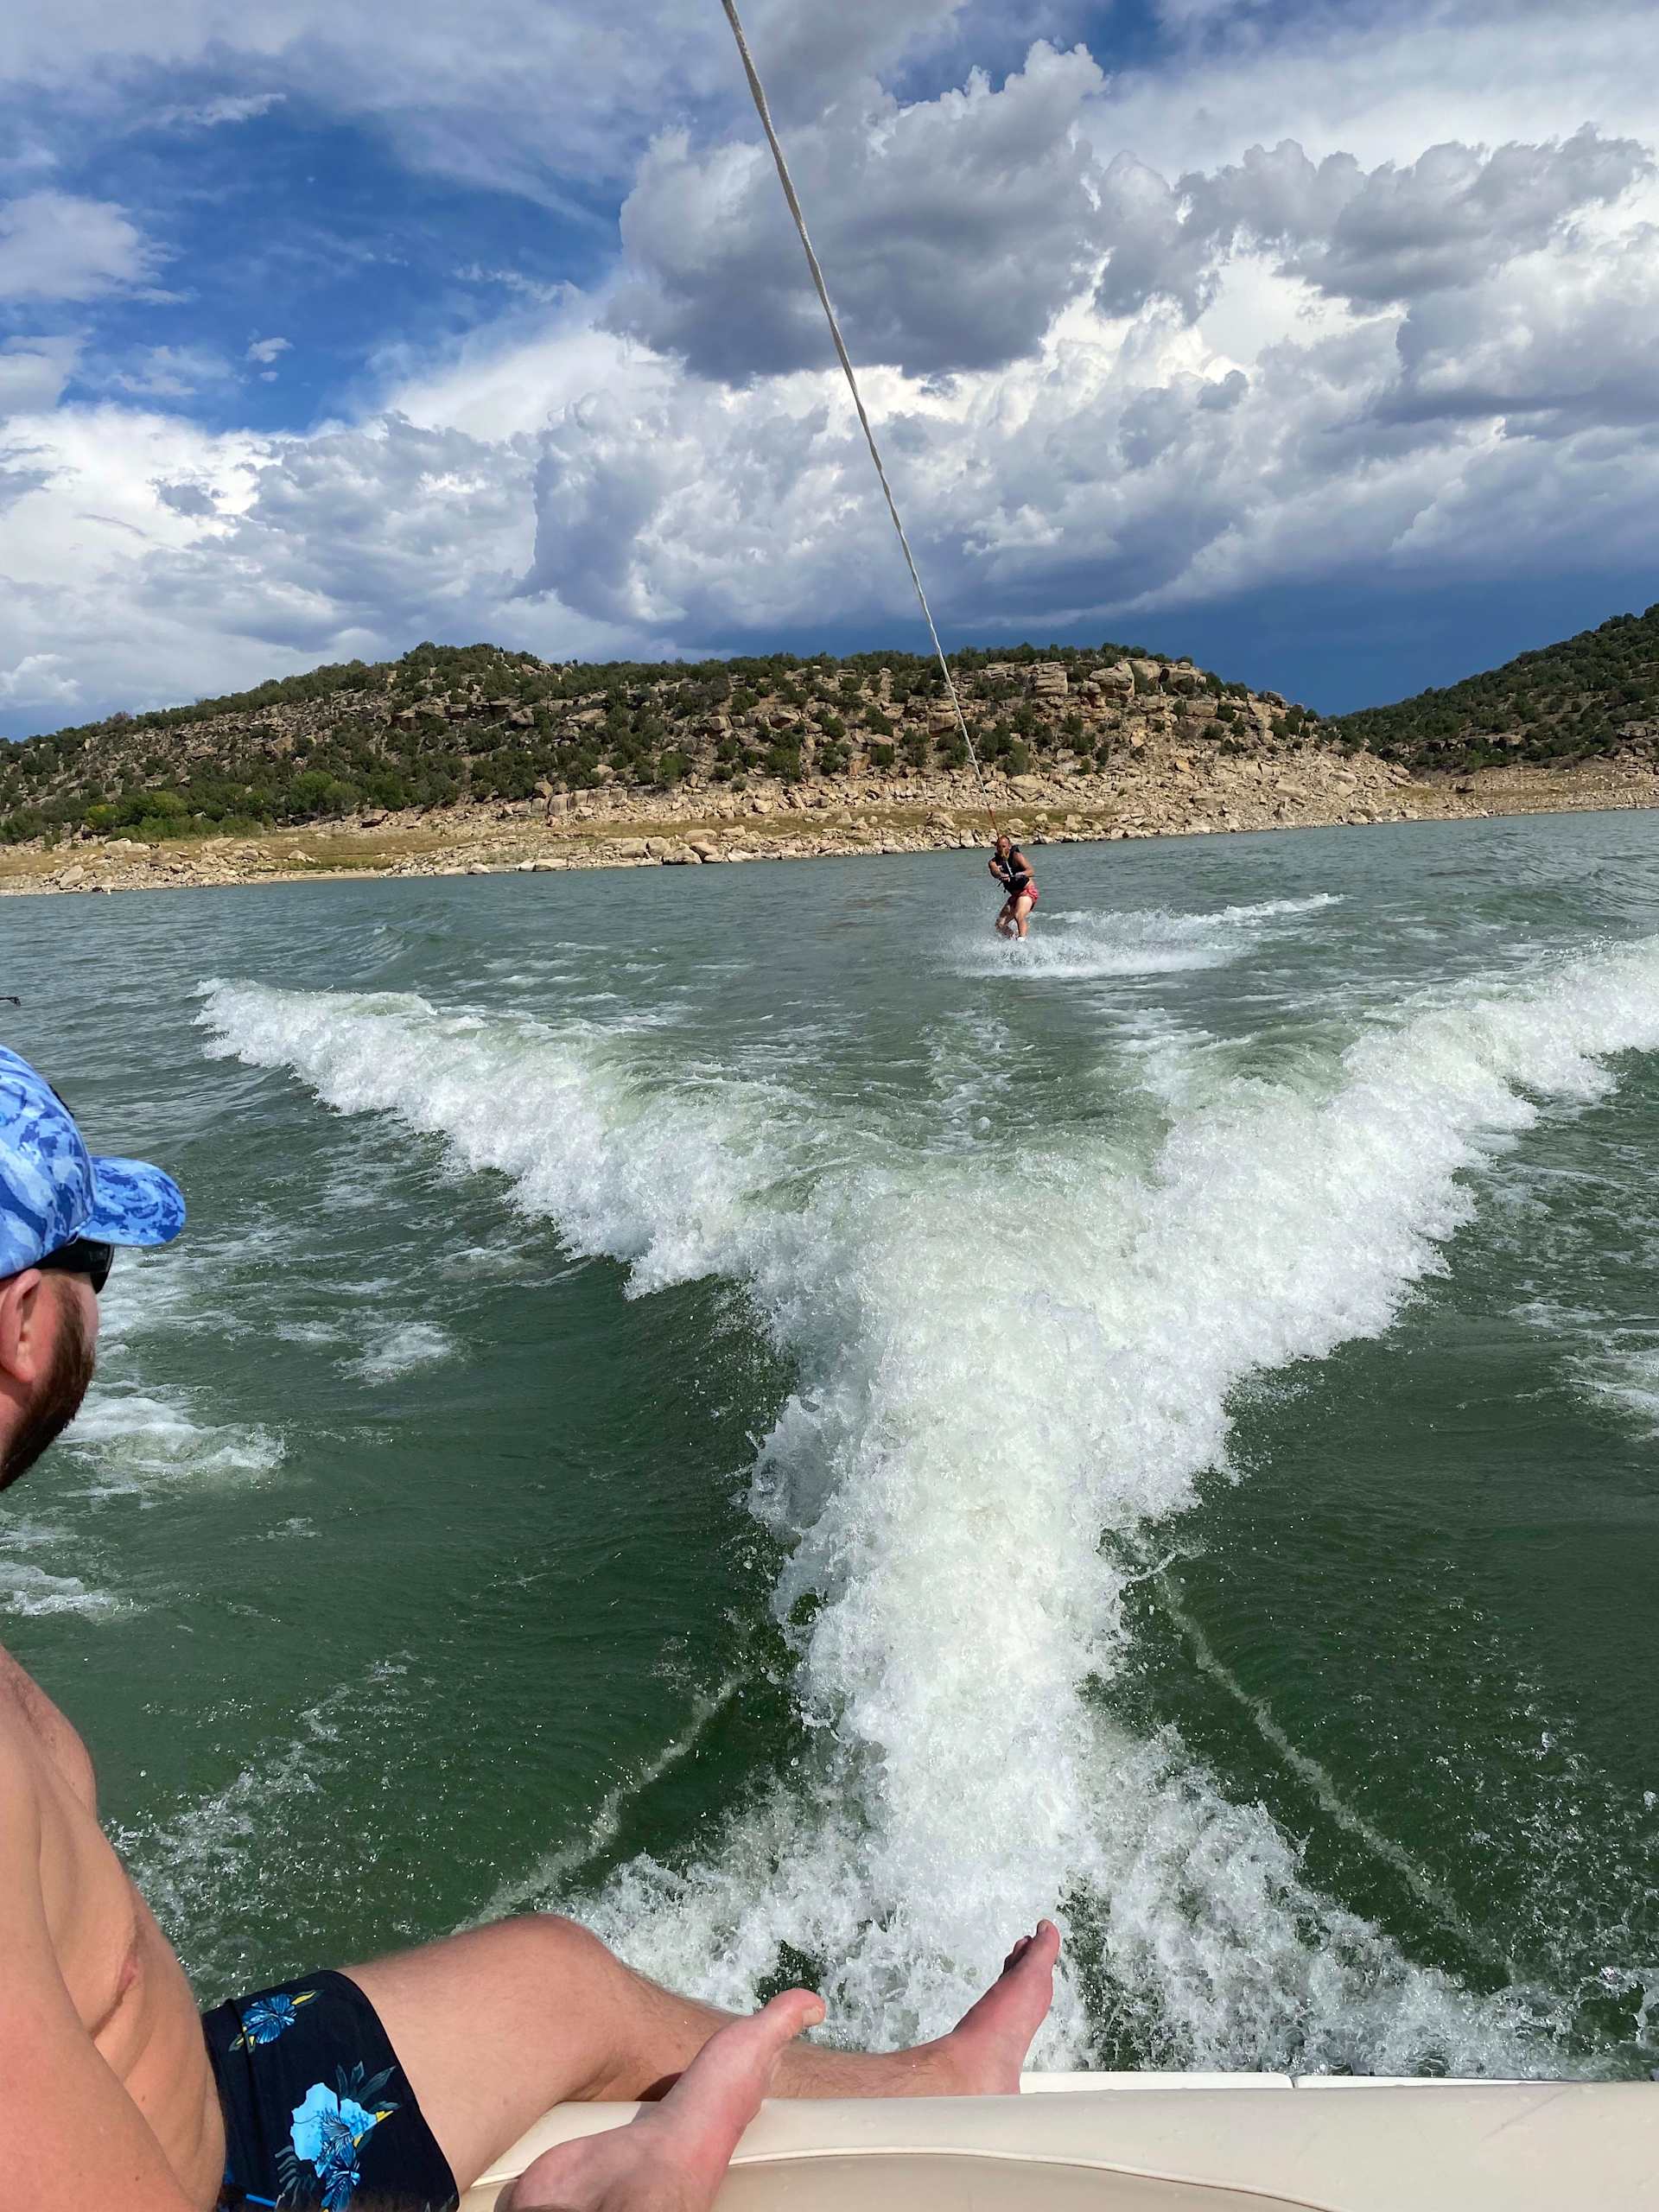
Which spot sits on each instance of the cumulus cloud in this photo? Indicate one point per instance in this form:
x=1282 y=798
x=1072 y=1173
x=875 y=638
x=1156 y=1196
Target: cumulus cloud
x=1560 y=345
x=56 y=245
x=1350 y=294
x=1102 y=451
x=1102 y=475
x=955 y=228
x=163 y=561
x=382 y=528
x=1369 y=238
x=187 y=497
x=1068 y=483
x=39 y=680
x=34 y=371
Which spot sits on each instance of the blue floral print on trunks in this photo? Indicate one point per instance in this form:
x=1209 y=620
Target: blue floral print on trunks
x=267 y=2018
x=319 y=2114
x=327 y=2129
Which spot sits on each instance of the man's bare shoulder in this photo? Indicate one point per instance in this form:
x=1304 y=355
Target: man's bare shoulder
x=35 y=1741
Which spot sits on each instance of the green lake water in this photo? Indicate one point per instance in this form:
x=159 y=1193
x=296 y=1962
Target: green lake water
x=731 y=1402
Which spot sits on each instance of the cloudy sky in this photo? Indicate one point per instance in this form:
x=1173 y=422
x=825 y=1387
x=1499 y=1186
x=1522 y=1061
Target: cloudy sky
x=1319 y=340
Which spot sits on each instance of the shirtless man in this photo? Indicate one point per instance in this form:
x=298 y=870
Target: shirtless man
x=395 y=2085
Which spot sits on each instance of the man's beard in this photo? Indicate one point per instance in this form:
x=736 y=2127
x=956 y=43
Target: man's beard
x=59 y=1399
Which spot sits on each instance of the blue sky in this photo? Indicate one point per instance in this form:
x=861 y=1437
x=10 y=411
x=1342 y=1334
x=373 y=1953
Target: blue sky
x=1316 y=342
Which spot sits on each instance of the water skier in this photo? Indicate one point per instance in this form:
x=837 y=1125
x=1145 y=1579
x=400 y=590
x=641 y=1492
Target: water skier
x=1013 y=871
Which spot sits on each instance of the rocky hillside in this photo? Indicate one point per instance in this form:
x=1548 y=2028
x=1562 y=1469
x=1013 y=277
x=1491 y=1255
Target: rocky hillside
x=445 y=726
x=1595 y=696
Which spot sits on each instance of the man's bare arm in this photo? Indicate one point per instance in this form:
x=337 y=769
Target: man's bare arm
x=70 y=2135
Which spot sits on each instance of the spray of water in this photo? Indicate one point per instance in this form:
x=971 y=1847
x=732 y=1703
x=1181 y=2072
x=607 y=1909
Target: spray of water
x=1003 y=1354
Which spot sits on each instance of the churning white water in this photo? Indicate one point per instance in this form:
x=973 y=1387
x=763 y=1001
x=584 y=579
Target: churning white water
x=1005 y=1352
x=1081 y=948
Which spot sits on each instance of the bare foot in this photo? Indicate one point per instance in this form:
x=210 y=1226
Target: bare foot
x=983 y=2053
x=674 y=2156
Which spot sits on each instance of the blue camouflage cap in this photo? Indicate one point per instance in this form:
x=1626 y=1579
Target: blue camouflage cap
x=53 y=1190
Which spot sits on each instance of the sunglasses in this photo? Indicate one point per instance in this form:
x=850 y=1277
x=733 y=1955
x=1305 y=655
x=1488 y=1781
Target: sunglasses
x=82 y=1256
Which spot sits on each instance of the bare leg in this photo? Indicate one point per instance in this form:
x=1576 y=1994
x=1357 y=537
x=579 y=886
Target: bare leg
x=496 y=2026
x=1022 y=915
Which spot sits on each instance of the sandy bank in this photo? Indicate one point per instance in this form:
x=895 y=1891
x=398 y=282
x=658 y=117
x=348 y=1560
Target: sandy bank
x=1176 y=794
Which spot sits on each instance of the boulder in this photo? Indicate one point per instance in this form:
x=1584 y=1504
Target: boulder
x=1049 y=679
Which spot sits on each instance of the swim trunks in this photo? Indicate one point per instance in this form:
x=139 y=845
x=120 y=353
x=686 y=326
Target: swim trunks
x=316 y=2107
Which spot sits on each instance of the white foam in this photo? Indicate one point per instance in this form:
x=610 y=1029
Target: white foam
x=400 y=1350
x=308 y=1332
x=1080 y=948
x=629 y=1175
x=1624 y=1378
x=31 y=1591
x=133 y=1441
x=962 y=1432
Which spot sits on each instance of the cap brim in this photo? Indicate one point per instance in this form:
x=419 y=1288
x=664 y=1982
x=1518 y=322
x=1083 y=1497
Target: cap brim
x=132 y=1203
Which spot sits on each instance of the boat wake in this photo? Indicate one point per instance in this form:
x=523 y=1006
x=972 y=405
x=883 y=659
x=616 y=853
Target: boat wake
x=1087 y=947
x=955 y=1448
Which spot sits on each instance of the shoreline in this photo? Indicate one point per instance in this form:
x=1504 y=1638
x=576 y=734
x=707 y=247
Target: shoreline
x=702 y=824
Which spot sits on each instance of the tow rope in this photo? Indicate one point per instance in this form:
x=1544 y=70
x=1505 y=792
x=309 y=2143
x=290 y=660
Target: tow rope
x=764 y=112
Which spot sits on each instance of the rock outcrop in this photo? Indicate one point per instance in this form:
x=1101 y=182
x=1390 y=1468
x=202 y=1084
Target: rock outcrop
x=536 y=768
